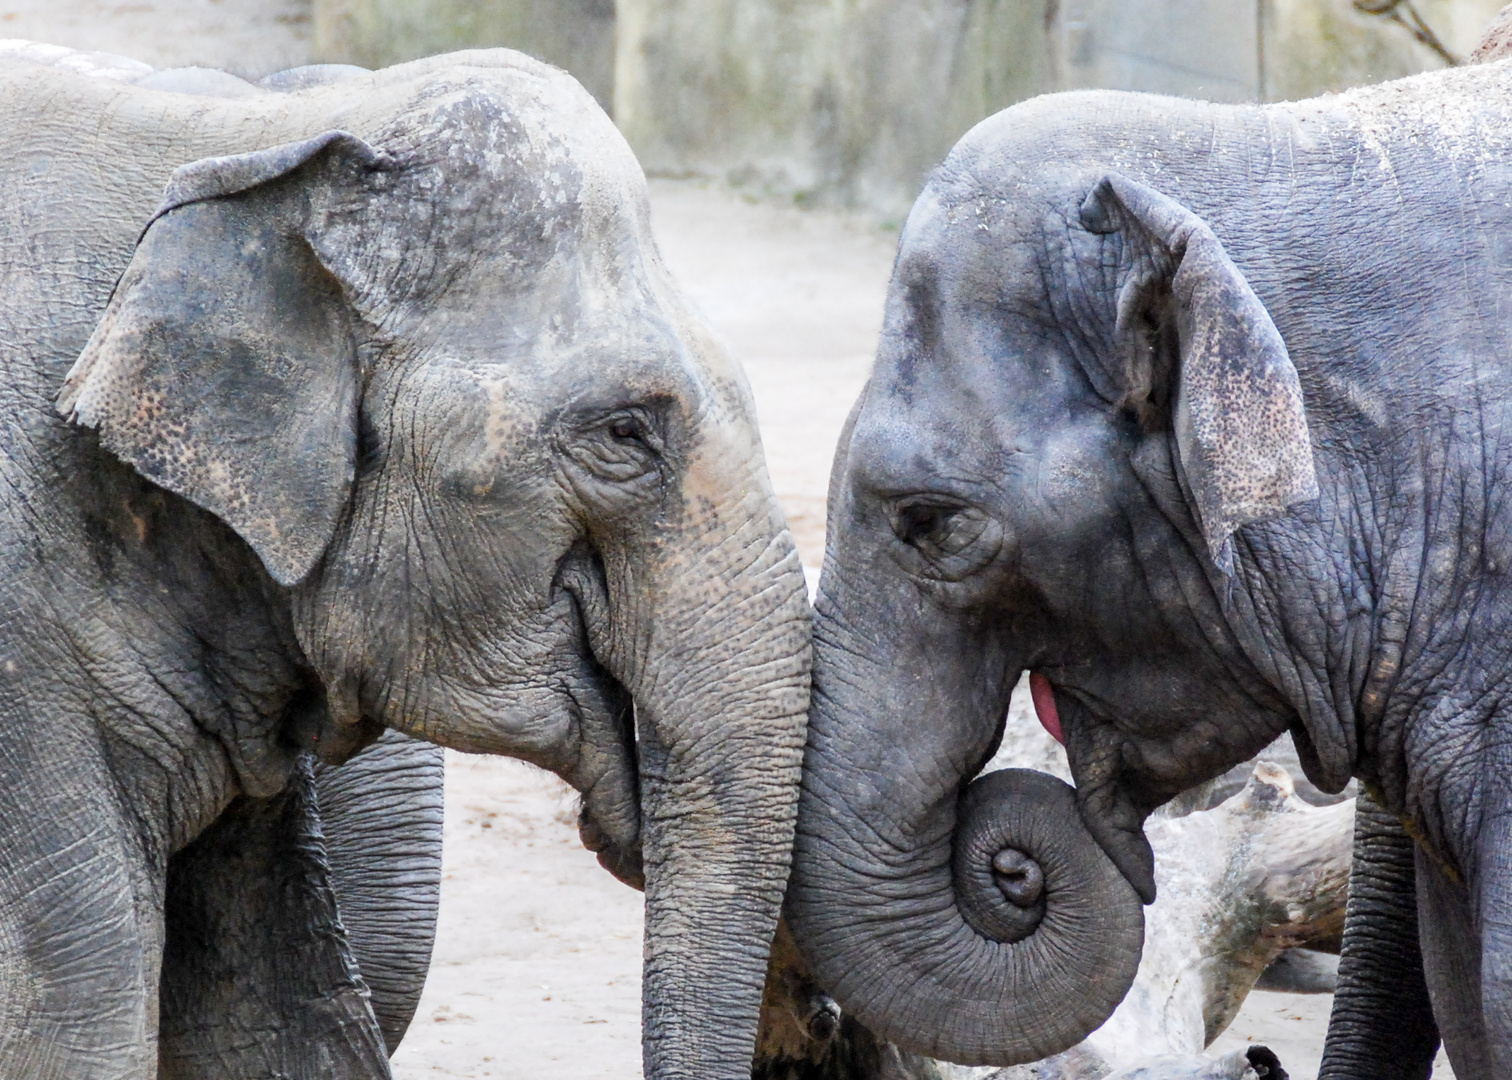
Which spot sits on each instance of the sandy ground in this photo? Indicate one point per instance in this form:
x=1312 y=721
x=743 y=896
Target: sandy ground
x=536 y=970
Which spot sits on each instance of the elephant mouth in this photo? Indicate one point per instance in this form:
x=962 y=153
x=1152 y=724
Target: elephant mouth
x=1109 y=809
x=624 y=863
x=607 y=768
x=609 y=818
x=1043 y=696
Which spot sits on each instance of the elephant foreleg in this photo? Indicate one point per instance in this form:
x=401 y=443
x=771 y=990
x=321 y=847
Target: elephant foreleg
x=1489 y=899
x=258 y=978
x=80 y=914
x=1452 y=960
x=1382 y=1025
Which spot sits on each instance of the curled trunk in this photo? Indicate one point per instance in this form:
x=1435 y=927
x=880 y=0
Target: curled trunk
x=1010 y=943
x=978 y=923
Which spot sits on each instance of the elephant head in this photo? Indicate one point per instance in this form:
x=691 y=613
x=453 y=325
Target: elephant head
x=436 y=377
x=1078 y=399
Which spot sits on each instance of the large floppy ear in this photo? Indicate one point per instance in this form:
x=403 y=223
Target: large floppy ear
x=1233 y=400
x=224 y=368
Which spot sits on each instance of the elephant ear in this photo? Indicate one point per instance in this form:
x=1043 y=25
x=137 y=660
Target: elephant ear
x=1233 y=400
x=224 y=368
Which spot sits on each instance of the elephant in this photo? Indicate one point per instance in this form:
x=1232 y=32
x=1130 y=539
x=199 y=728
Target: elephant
x=350 y=404
x=1194 y=413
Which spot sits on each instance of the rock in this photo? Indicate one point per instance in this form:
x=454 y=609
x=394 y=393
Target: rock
x=1301 y=971
x=1496 y=42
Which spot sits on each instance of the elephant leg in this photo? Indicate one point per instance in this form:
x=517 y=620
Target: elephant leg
x=1491 y=893
x=258 y=978
x=80 y=914
x=1381 y=1026
x=381 y=814
x=1452 y=963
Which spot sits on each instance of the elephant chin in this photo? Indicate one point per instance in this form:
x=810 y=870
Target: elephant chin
x=1108 y=809
x=624 y=862
x=1008 y=942
x=1118 y=827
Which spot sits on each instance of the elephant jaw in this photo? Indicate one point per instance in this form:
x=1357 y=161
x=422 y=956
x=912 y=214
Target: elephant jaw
x=1107 y=808
x=1118 y=827
x=623 y=861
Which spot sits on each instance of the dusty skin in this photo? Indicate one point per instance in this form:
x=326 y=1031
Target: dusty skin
x=537 y=962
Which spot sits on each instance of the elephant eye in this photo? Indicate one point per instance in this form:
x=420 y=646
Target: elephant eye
x=955 y=539
x=918 y=524
x=620 y=447
x=945 y=528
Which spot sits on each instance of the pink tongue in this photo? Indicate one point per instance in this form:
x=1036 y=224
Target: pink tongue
x=1044 y=705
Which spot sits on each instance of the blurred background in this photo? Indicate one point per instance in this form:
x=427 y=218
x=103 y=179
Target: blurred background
x=842 y=102
x=785 y=140
x=851 y=101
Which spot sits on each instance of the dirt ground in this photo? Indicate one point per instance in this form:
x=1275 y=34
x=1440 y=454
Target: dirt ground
x=536 y=969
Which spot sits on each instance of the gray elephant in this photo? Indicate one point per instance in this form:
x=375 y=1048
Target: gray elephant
x=360 y=402
x=1199 y=415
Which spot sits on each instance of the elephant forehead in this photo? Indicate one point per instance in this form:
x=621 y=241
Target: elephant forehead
x=500 y=177
x=535 y=153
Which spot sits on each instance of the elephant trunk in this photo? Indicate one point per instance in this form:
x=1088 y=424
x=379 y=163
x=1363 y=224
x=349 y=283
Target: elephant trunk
x=976 y=923
x=720 y=685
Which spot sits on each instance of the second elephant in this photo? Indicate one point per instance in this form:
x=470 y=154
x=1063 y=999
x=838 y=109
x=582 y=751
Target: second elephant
x=1200 y=415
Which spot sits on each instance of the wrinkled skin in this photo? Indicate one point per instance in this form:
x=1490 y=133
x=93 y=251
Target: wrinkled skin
x=380 y=816
x=1381 y=1024
x=362 y=403
x=1176 y=408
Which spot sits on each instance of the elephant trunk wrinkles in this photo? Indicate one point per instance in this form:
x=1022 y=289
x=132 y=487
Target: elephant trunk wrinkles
x=720 y=710
x=977 y=923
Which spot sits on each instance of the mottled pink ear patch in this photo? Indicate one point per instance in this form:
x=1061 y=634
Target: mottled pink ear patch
x=1044 y=705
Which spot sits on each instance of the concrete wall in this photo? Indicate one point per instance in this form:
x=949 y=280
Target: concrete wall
x=574 y=34
x=1195 y=48
x=1314 y=46
x=845 y=100
x=853 y=101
